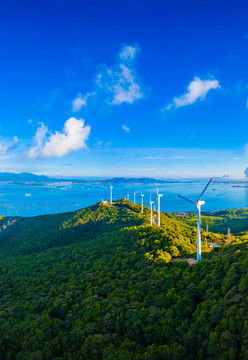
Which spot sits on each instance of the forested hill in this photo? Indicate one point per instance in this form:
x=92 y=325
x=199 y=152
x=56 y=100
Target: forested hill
x=28 y=235
x=101 y=283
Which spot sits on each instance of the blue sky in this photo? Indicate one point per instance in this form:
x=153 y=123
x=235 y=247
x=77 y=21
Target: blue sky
x=106 y=88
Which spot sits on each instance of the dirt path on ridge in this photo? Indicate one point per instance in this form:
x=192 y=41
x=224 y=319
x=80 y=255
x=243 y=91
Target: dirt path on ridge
x=191 y=261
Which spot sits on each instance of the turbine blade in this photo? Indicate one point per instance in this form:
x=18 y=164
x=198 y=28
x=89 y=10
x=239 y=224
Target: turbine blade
x=205 y=189
x=184 y=198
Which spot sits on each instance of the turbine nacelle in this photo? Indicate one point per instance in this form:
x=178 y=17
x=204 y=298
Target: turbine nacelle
x=158 y=195
x=158 y=199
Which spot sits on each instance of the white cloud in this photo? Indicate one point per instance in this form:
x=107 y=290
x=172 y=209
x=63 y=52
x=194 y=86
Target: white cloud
x=125 y=89
x=7 y=144
x=119 y=82
x=116 y=84
x=72 y=138
x=3 y=148
x=197 y=89
x=101 y=145
x=128 y=52
x=168 y=157
x=40 y=135
x=125 y=128
x=80 y=101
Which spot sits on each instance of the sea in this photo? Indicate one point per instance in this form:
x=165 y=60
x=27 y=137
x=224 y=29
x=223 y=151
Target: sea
x=31 y=200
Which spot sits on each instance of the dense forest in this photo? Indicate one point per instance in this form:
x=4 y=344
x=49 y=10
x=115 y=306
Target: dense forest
x=219 y=221
x=101 y=283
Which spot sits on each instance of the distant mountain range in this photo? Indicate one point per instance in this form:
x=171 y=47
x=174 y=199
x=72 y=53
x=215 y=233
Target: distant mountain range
x=24 y=177
x=122 y=180
x=32 y=178
x=20 y=178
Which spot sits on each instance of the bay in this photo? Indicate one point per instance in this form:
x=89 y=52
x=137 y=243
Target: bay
x=26 y=200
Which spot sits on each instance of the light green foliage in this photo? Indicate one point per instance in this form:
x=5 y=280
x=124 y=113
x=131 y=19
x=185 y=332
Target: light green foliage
x=162 y=256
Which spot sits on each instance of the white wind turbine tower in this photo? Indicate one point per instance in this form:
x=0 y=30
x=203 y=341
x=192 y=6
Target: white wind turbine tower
x=111 y=187
x=127 y=196
x=198 y=204
x=142 y=198
x=158 y=198
x=151 y=202
x=134 y=196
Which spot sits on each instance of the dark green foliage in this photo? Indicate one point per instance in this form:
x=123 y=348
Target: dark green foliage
x=220 y=221
x=28 y=235
x=104 y=289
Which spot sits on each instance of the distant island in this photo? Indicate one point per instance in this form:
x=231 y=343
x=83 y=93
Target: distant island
x=30 y=178
x=33 y=178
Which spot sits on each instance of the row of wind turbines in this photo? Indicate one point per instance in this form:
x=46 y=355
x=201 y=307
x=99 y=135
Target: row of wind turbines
x=198 y=204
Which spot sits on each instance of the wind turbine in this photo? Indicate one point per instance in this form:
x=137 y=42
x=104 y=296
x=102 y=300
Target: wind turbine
x=198 y=204
x=134 y=193
x=127 y=196
x=151 y=202
x=142 y=198
x=158 y=198
x=111 y=187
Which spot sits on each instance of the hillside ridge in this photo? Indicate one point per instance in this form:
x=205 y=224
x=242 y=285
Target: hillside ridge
x=26 y=235
x=102 y=285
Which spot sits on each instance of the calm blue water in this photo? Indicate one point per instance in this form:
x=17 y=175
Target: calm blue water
x=66 y=197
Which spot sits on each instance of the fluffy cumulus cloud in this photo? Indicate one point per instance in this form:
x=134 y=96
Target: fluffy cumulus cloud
x=72 y=138
x=120 y=83
x=197 y=89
